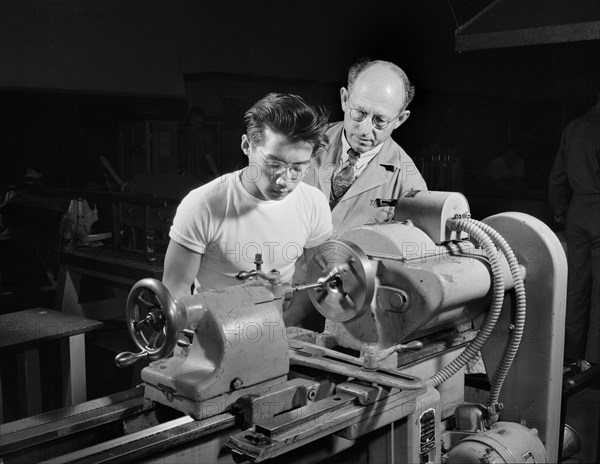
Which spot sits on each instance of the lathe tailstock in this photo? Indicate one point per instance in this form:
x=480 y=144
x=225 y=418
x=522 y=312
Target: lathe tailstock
x=410 y=305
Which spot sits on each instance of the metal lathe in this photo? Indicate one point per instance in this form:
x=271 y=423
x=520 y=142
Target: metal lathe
x=410 y=305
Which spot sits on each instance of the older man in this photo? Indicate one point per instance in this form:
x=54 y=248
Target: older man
x=362 y=163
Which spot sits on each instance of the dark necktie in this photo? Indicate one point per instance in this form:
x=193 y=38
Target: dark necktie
x=345 y=176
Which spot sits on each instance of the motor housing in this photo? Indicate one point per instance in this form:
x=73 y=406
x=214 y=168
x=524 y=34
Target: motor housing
x=504 y=442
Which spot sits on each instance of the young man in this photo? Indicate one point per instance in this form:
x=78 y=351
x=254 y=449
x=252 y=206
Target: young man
x=264 y=208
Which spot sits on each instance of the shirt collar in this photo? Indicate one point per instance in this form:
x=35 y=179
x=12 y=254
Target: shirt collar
x=364 y=157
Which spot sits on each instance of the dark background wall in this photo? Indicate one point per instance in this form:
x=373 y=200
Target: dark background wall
x=71 y=71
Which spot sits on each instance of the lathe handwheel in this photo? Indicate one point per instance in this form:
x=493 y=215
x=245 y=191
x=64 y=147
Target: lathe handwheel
x=351 y=295
x=153 y=319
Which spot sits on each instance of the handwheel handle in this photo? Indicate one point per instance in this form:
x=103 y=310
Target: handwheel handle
x=127 y=358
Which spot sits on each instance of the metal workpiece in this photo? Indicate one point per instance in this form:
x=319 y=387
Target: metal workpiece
x=331 y=281
x=352 y=281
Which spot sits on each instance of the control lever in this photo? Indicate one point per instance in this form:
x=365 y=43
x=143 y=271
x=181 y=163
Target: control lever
x=272 y=277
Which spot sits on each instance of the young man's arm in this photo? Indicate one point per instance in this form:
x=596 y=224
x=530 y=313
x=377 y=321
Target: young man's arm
x=180 y=269
x=300 y=306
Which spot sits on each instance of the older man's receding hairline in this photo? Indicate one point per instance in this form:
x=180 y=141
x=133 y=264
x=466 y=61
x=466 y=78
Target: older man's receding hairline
x=360 y=68
x=386 y=64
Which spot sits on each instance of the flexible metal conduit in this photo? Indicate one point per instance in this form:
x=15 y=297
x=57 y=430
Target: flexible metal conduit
x=484 y=333
x=521 y=308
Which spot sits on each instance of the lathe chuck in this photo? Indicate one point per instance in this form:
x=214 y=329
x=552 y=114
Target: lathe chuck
x=350 y=295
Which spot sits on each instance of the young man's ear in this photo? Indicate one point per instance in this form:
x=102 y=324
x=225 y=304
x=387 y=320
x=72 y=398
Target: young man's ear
x=245 y=144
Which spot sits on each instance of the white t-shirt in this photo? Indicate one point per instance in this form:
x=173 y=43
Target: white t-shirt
x=228 y=226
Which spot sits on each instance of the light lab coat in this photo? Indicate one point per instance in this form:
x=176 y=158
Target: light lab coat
x=387 y=176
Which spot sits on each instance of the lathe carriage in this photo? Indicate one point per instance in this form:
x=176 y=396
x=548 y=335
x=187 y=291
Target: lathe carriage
x=409 y=305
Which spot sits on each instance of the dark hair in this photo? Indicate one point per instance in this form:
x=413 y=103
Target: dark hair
x=364 y=63
x=288 y=115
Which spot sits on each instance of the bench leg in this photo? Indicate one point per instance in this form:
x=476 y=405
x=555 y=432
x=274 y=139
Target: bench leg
x=74 y=376
x=67 y=292
x=30 y=384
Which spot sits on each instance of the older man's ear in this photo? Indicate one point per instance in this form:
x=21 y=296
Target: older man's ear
x=402 y=118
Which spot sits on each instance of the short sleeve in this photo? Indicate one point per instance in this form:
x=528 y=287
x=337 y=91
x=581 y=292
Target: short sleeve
x=191 y=223
x=322 y=225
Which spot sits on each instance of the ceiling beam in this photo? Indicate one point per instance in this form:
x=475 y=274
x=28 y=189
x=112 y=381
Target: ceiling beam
x=515 y=23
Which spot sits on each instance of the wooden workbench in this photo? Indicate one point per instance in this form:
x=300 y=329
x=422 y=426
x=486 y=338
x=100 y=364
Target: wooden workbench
x=25 y=332
x=94 y=282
